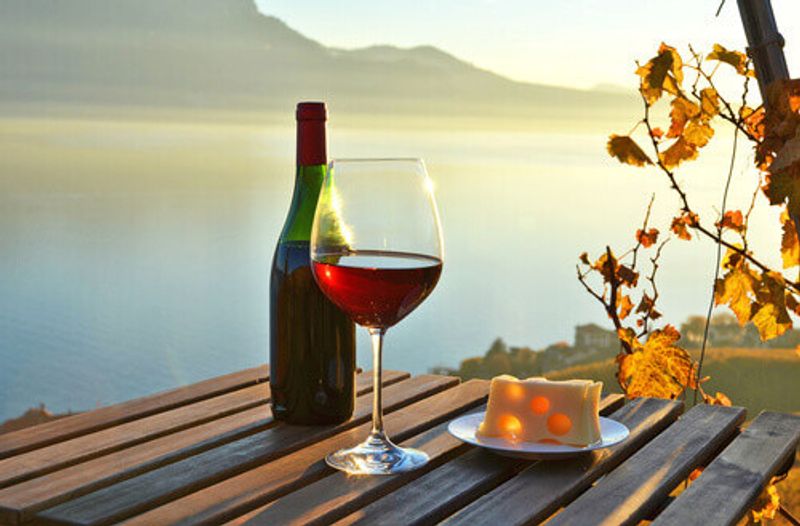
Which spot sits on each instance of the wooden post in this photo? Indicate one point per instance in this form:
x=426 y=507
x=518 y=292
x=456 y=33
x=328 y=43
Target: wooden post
x=765 y=47
x=764 y=43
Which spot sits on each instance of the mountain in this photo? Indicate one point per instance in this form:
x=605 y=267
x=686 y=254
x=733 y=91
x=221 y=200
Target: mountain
x=226 y=55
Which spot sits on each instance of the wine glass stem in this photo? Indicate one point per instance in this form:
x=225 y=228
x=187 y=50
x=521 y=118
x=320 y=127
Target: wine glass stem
x=377 y=400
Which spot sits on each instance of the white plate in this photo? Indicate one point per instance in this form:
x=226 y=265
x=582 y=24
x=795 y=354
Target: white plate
x=464 y=427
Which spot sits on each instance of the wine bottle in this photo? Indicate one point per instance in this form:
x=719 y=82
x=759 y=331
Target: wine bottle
x=312 y=342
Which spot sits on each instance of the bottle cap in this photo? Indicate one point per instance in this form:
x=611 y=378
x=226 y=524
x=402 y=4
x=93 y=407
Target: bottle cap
x=311 y=111
x=311 y=117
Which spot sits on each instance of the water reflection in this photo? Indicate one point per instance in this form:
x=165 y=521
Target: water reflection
x=134 y=255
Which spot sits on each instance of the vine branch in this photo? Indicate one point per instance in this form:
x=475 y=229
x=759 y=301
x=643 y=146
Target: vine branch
x=652 y=280
x=716 y=266
x=685 y=207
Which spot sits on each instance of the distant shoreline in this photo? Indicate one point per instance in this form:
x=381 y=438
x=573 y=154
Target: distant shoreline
x=564 y=119
x=32 y=417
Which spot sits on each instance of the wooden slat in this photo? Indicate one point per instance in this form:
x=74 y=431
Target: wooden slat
x=610 y=403
x=364 y=380
x=60 y=455
x=42 y=435
x=441 y=492
x=235 y=495
x=338 y=495
x=20 y=501
x=731 y=483
x=63 y=454
x=642 y=483
x=540 y=490
x=173 y=481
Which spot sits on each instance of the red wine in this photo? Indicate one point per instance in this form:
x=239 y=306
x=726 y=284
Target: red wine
x=312 y=342
x=377 y=288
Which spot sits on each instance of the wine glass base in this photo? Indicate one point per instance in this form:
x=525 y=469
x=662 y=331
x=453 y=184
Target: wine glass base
x=377 y=456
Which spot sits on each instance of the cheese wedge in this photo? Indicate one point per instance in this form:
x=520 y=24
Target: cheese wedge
x=538 y=410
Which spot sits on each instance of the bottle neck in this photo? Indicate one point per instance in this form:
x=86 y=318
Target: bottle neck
x=311 y=167
x=311 y=143
x=307 y=185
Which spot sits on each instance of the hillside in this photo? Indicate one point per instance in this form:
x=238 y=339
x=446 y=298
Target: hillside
x=226 y=55
x=32 y=417
x=758 y=379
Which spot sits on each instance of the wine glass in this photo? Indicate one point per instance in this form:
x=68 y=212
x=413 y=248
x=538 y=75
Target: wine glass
x=376 y=252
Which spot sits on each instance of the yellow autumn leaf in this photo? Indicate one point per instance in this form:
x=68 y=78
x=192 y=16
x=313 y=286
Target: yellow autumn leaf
x=767 y=504
x=647 y=238
x=627 y=276
x=664 y=72
x=790 y=249
x=788 y=155
x=718 y=399
x=606 y=267
x=771 y=321
x=627 y=151
x=659 y=368
x=698 y=133
x=733 y=220
x=737 y=290
x=681 y=150
x=682 y=111
x=680 y=225
x=792 y=304
x=753 y=120
x=628 y=337
x=784 y=187
x=709 y=103
x=737 y=59
x=769 y=313
x=624 y=306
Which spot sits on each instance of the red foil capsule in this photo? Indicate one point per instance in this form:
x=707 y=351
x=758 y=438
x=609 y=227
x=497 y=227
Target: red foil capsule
x=311 y=117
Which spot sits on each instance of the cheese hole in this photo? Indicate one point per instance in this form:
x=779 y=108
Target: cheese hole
x=514 y=392
x=540 y=405
x=510 y=424
x=559 y=424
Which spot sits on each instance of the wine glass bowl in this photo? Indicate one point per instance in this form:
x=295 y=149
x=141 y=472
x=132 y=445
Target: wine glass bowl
x=377 y=288
x=376 y=252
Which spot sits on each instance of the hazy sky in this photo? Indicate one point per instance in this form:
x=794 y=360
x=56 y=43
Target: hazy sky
x=577 y=43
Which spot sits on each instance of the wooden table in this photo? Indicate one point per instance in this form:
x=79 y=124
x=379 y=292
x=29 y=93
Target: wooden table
x=210 y=453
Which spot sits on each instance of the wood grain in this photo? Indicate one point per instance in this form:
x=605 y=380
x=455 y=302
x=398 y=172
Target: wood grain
x=439 y=493
x=642 y=483
x=146 y=491
x=20 y=501
x=42 y=435
x=339 y=495
x=538 y=491
x=290 y=473
x=610 y=403
x=221 y=457
x=731 y=483
x=70 y=452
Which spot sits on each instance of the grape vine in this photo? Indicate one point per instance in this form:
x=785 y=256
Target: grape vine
x=651 y=361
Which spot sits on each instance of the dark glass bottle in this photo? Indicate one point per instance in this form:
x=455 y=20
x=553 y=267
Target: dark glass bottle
x=312 y=342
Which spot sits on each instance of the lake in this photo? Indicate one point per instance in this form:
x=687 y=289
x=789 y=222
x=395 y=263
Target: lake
x=134 y=254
